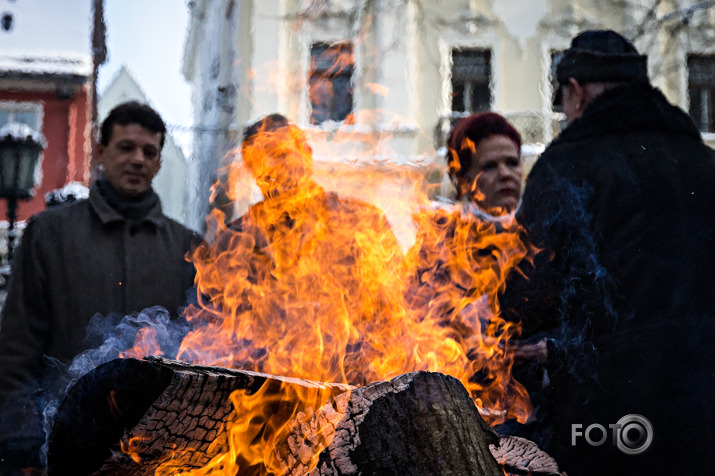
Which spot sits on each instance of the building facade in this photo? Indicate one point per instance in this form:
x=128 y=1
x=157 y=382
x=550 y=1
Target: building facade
x=49 y=56
x=378 y=83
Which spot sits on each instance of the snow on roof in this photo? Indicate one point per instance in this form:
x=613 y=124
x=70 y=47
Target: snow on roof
x=21 y=132
x=75 y=65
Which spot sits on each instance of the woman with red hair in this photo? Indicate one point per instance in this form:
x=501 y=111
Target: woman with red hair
x=464 y=250
x=484 y=158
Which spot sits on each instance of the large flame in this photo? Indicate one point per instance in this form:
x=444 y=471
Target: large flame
x=459 y=264
x=312 y=285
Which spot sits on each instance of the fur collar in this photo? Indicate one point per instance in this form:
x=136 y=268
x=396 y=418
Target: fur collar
x=636 y=106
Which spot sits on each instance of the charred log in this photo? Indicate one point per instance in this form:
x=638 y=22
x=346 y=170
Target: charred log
x=128 y=417
x=134 y=417
x=419 y=423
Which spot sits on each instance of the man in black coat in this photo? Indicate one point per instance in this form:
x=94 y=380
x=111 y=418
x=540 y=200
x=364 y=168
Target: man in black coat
x=622 y=204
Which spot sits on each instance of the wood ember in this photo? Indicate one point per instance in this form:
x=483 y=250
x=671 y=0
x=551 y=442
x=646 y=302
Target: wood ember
x=519 y=456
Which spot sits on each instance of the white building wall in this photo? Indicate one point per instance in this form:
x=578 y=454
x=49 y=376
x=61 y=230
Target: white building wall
x=402 y=80
x=208 y=65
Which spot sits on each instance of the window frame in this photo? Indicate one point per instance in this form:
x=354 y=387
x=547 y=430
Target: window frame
x=706 y=90
x=467 y=99
x=13 y=107
x=333 y=74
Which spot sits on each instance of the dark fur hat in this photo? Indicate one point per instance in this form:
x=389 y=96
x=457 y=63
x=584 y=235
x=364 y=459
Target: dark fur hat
x=601 y=55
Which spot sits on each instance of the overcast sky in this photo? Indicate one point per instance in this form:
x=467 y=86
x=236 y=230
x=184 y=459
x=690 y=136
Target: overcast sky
x=54 y=19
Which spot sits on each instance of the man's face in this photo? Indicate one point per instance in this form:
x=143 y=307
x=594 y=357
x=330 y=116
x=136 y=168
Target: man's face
x=494 y=177
x=279 y=160
x=131 y=159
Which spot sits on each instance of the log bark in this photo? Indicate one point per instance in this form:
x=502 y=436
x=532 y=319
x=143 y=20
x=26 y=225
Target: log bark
x=159 y=409
x=172 y=412
x=420 y=423
x=519 y=456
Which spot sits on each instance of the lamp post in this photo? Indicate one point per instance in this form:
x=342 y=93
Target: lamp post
x=20 y=148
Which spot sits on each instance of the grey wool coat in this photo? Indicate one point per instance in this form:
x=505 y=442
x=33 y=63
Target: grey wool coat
x=80 y=259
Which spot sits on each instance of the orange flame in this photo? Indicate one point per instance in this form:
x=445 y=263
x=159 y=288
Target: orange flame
x=145 y=343
x=261 y=423
x=315 y=286
x=461 y=263
x=312 y=285
x=129 y=448
x=378 y=89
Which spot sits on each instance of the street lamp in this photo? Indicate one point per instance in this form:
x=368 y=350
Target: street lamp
x=20 y=148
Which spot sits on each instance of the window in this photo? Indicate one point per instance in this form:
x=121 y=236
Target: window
x=331 y=90
x=701 y=87
x=29 y=113
x=555 y=58
x=471 y=72
x=6 y=21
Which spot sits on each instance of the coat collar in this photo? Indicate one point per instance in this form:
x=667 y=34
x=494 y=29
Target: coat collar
x=108 y=215
x=636 y=106
x=470 y=211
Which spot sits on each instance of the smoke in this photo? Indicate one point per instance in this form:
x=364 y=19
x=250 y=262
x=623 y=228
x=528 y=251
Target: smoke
x=569 y=283
x=566 y=295
x=116 y=333
x=107 y=338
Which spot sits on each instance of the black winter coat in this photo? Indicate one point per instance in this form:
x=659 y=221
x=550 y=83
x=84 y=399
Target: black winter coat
x=623 y=205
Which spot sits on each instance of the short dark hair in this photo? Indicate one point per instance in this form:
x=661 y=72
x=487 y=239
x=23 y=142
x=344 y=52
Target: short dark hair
x=476 y=128
x=268 y=127
x=132 y=112
x=269 y=123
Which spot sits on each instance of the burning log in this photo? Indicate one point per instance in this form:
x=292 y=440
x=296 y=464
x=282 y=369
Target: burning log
x=418 y=423
x=159 y=416
x=130 y=416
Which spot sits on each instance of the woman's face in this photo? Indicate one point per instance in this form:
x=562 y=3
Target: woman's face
x=494 y=179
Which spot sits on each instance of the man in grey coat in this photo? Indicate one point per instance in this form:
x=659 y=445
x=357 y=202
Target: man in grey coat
x=113 y=252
